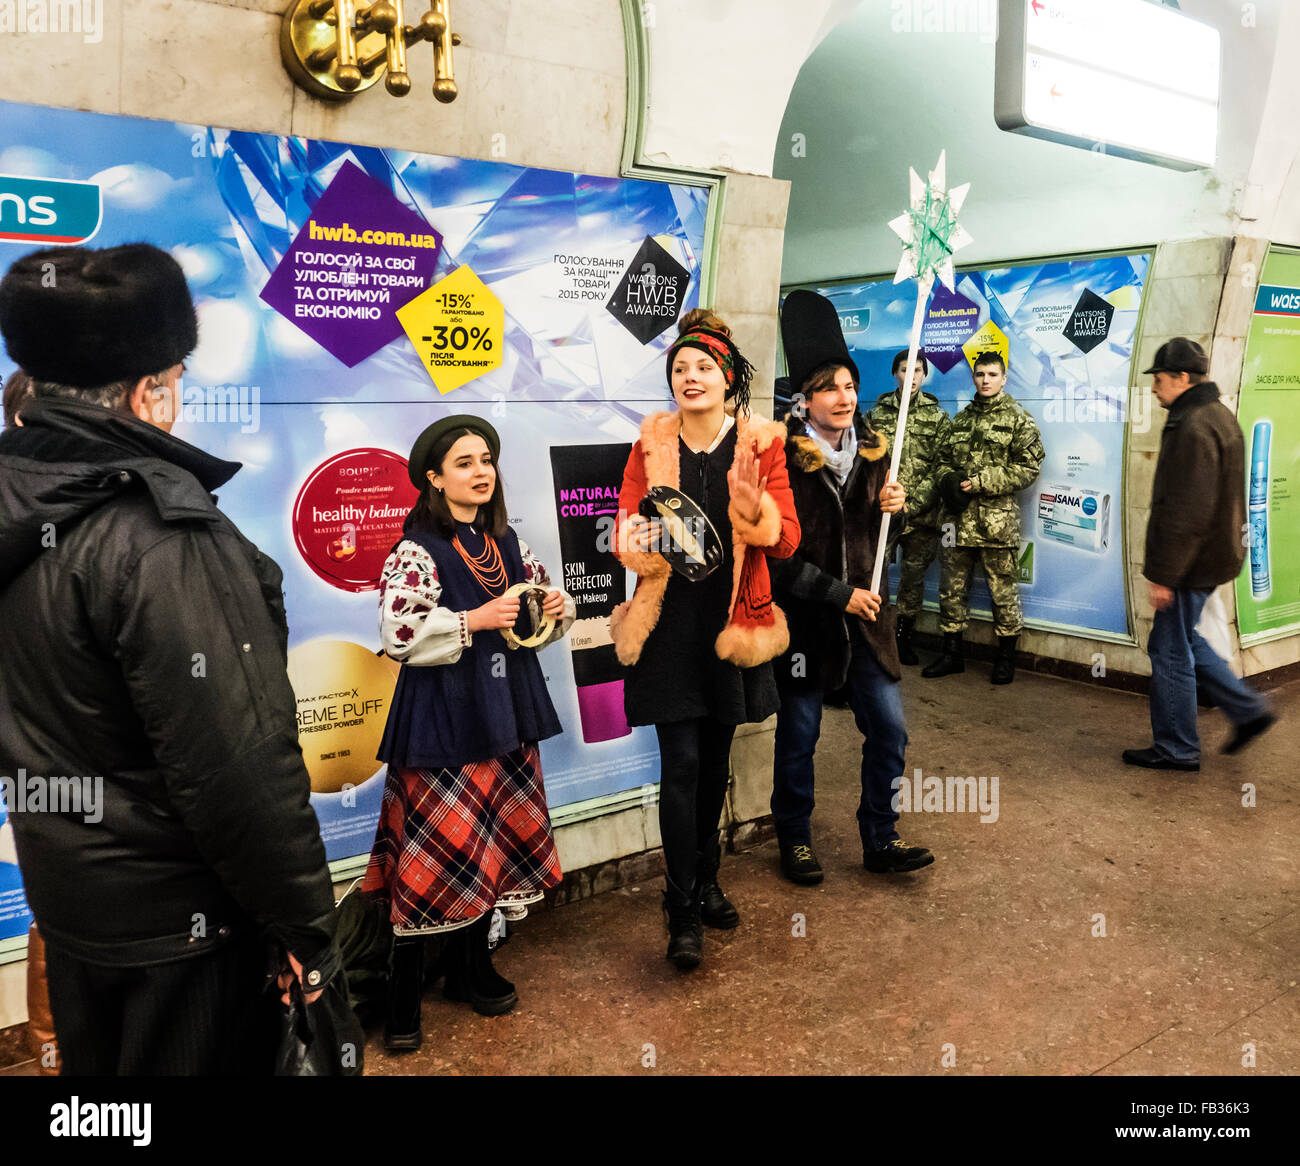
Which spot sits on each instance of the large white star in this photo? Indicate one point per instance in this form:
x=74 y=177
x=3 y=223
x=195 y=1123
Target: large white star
x=929 y=228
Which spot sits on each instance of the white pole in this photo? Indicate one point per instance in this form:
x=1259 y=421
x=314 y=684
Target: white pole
x=922 y=298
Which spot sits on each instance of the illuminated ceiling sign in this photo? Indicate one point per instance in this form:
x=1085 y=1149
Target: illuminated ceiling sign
x=1128 y=76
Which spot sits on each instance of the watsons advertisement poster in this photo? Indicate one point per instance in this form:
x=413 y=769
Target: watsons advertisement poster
x=349 y=296
x=1066 y=331
x=1268 y=591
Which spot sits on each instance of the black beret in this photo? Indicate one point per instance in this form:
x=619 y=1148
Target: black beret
x=422 y=450
x=85 y=317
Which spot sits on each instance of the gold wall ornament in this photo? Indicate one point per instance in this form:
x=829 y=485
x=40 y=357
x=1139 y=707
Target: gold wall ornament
x=336 y=48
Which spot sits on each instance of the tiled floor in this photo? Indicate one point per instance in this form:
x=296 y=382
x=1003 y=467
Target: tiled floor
x=991 y=961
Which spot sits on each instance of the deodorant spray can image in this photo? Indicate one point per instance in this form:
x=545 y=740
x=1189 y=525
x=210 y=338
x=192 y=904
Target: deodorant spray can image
x=1261 y=577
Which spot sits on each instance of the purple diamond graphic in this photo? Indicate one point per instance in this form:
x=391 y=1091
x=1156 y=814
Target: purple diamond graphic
x=360 y=257
x=950 y=321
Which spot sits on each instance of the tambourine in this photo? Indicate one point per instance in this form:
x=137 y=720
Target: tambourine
x=692 y=548
x=531 y=598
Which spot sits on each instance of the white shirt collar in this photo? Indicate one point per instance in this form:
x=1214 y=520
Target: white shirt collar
x=727 y=422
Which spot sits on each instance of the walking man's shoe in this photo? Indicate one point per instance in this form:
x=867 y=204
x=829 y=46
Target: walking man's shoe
x=1150 y=759
x=799 y=864
x=1243 y=735
x=896 y=857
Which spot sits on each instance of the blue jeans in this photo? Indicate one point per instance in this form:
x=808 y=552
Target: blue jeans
x=877 y=702
x=1180 y=661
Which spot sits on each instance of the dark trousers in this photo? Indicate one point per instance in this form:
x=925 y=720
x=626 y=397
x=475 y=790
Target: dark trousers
x=877 y=702
x=694 y=759
x=201 y=1016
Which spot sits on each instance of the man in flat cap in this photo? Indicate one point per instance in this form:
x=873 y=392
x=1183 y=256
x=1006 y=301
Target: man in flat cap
x=1194 y=543
x=145 y=667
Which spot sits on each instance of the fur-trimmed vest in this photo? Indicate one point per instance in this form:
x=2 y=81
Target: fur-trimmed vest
x=836 y=553
x=756 y=629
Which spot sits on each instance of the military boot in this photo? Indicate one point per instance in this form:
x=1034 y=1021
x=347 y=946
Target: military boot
x=906 y=653
x=1004 y=663
x=716 y=909
x=685 y=932
x=951 y=661
x=405 y=989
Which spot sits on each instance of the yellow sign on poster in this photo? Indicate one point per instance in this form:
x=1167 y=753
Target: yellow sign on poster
x=457 y=327
x=989 y=338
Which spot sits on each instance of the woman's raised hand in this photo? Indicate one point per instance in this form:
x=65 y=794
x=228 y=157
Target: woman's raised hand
x=553 y=605
x=744 y=483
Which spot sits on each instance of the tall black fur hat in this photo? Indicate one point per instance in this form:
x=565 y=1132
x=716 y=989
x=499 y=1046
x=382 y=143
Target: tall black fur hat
x=812 y=337
x=85 y=317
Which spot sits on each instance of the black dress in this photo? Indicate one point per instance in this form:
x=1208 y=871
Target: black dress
x=679 y=676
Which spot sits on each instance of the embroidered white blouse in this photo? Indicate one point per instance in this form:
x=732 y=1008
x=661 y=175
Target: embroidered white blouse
x=414 y=629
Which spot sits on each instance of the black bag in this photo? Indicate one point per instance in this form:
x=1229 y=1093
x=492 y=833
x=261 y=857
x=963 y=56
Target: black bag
x=365 y=938
x=323 y=1039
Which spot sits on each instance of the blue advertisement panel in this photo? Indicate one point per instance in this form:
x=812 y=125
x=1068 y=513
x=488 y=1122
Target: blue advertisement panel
x=349 y=296
x=14 y=916
x=1066 y=330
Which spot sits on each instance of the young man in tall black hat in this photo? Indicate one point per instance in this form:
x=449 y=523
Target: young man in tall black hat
x=839 y=630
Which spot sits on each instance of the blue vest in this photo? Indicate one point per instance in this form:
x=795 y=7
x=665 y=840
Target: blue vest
x=486 y=704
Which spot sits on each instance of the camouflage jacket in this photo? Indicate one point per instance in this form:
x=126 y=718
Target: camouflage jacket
x=927 y=426
x=997 y=445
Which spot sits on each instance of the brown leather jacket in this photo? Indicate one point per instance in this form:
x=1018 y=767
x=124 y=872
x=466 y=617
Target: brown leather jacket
x=1196 y=532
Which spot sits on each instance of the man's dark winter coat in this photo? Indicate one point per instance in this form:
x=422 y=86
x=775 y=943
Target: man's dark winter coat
x=144 y=643
x=837 y=552
x=1195 y=535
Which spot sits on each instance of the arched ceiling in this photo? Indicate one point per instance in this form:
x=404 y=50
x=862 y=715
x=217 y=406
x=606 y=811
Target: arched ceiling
x=875 y=98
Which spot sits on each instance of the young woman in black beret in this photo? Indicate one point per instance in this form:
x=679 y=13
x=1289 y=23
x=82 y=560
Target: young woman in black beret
x=464 y=826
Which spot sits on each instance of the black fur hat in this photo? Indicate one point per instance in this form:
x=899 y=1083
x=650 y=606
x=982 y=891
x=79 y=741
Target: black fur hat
x=85 y=317
x=811 y=334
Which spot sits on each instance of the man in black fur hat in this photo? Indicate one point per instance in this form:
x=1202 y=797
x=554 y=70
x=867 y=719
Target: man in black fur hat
x=144 y=652
x=839 y=630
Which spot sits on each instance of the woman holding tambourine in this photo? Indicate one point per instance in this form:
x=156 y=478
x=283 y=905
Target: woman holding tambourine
x=464 y=827
x=705 y=500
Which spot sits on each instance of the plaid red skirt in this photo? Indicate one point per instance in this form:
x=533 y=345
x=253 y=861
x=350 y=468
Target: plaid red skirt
x=452 y=844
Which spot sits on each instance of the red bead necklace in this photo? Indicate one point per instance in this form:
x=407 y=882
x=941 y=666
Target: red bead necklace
x=488 y=568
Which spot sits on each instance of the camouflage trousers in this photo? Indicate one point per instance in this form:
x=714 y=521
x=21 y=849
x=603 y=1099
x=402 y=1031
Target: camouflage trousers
x=917 y=549
x=957 y=568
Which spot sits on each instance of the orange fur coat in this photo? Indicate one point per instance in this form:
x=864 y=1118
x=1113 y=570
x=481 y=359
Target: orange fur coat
x=756 y=629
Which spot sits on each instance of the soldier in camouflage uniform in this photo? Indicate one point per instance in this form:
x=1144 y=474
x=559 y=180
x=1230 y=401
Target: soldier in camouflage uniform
x=927 y=426
x=992 y=449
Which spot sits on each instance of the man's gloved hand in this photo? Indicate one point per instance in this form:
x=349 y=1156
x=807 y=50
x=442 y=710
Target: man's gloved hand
x=954 y=497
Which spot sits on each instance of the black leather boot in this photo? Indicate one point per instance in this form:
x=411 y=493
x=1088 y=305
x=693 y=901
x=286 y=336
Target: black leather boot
x=951 y=661
x=906 y=653
x=715 y=908
x=1004 y=663
x=471 y=978
x=405 y=986
x=685 y=933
